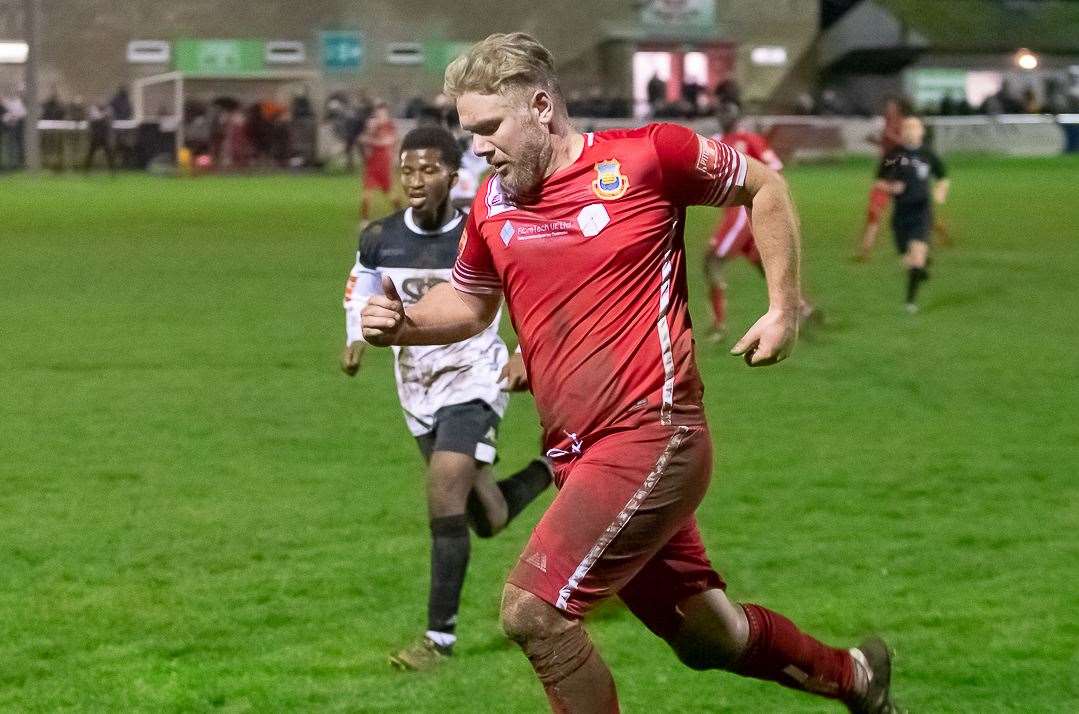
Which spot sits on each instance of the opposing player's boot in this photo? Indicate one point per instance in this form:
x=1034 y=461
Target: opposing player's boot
x=421 y=656
x=878 y=696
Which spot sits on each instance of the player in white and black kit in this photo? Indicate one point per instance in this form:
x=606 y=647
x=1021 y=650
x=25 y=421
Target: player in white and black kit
x=906 y=172
x=453 y=396
x=469 y=176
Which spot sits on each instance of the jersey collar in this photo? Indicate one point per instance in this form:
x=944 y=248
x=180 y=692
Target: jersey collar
x=410 y=223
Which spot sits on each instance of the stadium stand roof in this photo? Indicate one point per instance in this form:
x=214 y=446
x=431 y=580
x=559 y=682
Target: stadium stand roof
x=991 y=25
x=885 y=35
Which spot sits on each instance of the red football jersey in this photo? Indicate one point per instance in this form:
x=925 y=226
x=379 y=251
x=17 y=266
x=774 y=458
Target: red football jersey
x=893 y=128
x=594 y=276
x=755 y=145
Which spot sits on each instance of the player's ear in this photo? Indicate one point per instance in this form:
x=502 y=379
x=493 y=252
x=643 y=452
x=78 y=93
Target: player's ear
x=542 y=105
x=453 y=178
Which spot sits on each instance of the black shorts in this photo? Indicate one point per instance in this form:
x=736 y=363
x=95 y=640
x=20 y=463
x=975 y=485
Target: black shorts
x=470 y=428
x=910 y=225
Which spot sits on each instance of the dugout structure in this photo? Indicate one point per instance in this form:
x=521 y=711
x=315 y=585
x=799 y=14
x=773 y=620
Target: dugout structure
x=161 y=98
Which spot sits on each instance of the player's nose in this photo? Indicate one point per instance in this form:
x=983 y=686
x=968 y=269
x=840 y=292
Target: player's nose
x=481 y=146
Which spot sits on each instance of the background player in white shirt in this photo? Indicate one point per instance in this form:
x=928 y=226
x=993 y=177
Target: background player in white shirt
x=469 y=177
x=454 y=395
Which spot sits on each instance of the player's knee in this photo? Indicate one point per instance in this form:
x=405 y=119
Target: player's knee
x=449 y=480
x=526 y=617
x=555 y=646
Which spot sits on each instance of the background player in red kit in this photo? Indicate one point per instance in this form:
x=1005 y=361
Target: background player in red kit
x=583 y=234
x=733 y=236
x=378 y=141
x=895 y=110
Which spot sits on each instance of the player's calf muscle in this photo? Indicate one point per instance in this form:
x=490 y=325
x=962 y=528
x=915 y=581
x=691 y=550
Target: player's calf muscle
x=713 y=634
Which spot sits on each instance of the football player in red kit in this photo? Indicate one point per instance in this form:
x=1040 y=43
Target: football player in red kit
x=895 y=111
x=733 y=236
x=583 y=235
x=378 y=142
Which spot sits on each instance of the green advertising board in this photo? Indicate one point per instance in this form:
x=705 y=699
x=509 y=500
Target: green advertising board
x=690 y=13
x=927 y=87
x=220 y=57
x=341 y=51
x=439 y=53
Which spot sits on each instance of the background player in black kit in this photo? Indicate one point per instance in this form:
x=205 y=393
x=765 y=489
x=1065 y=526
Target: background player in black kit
x=907 y=172
x=452 y=396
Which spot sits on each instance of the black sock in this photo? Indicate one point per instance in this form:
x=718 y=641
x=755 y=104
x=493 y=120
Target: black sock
x=518 y=490
x=522 y=487
x=915 y=277
x=449 y=560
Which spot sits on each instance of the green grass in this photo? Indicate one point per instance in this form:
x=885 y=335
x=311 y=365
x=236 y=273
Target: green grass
x=199 y=512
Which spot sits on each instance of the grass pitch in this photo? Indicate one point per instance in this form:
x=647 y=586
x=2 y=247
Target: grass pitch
x=200 y=512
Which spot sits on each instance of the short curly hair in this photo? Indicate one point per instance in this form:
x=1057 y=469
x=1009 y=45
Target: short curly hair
x=502 y=63
x=434 y=137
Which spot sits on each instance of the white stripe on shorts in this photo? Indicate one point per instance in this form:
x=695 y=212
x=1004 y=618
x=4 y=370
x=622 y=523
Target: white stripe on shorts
x=620 y=521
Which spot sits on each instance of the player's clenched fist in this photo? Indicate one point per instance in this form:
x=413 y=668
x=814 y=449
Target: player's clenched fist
x=384 y=316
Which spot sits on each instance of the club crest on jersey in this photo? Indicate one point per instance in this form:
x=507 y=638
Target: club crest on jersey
x=610 y=182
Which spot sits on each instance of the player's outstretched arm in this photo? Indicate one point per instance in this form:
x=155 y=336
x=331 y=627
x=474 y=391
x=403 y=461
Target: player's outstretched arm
x=775 y=227
x=444 y=315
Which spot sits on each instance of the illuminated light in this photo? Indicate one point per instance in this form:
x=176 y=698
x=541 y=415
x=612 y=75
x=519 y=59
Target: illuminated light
x=13 y=52
x=1026 y=59
x=766 y=55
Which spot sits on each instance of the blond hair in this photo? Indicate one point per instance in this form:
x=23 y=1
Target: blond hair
x=502 y=63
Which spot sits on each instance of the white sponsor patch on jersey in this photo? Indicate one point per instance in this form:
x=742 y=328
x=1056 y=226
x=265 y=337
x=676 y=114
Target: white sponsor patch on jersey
x=592 y=219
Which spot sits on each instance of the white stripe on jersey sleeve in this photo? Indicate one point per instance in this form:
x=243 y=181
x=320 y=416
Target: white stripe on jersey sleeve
x=470 y=281
x=729 y=168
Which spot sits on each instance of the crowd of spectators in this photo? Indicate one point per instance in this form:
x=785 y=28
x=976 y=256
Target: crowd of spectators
x=1052 y=96
x=693 y=99
x=225 y=133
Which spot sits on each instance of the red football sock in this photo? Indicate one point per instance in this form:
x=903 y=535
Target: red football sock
x=778 y=651
x=719 y=305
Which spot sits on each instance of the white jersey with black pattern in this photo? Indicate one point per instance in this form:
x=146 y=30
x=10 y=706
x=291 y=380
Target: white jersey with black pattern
x=428 y=377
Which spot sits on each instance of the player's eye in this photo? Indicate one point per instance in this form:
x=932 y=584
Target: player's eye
x=487 y=128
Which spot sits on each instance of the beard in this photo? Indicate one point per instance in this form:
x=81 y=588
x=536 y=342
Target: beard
x=526 y=173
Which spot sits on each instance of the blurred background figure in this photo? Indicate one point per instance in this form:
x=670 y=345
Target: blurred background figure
x=12 y=121
x=100 y=134
x=379 y=140
x=895 y=110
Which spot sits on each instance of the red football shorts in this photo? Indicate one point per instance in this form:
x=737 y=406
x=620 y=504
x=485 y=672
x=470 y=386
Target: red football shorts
x=878 y=202
x=734 y=236
x=378 y=171
x=622 y=524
